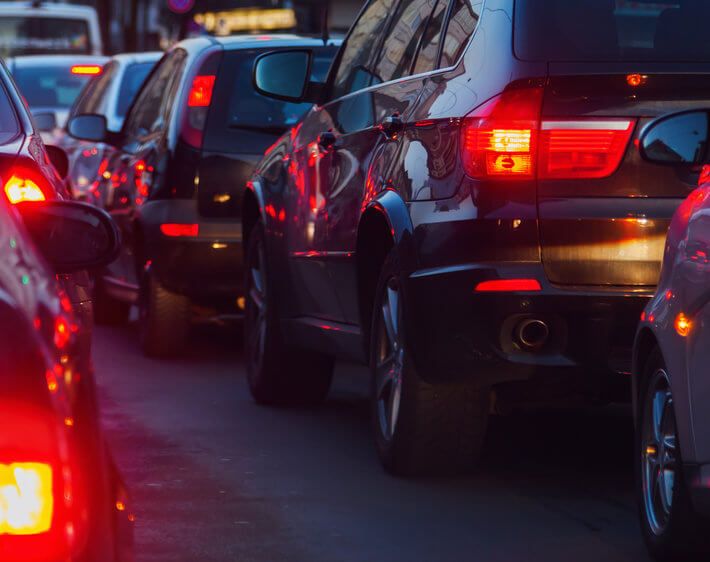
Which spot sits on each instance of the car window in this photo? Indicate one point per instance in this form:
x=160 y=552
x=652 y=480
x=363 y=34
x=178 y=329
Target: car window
x=133 y=79
x=428 y=57
x=400 y=44
x=615 y=30
x=152 y=108
x=93 y=98
x=43 y=35
x=9 y=125
x=49 y=86
x=359 y=49
x=462 y=24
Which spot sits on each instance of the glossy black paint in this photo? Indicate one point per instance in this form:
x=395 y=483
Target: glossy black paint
x=594 y=245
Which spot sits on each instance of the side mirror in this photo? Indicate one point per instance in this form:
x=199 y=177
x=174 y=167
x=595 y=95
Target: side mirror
x=72 y=236
x=677 y=139
x=45 y=122
x=284 y=75
x=59 y=160
x=88 y=127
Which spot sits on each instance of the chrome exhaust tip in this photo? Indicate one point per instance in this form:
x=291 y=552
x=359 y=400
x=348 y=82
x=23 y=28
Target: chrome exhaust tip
x=532 y=334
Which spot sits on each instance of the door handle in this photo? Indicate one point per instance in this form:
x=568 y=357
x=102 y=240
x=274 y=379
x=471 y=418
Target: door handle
x=327 y=140
x=392 y=126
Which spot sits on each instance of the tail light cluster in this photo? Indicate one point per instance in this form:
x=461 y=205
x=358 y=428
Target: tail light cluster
x=199 y=100
x=25 y=185
x=506 y=138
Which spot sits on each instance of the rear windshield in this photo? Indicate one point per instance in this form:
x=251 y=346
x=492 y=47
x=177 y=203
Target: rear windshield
x=49 y=86
x=43 y=35
x=612 y=30
x=133 y=79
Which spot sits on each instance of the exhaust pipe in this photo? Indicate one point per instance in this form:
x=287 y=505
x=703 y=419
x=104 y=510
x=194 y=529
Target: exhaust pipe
x=532 y=334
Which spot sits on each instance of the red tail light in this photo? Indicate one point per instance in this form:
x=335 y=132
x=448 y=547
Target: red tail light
x=201 y=91
x=26 y=498
x=20 y=187
x=180 y=230
x=509 y=285
x=86 y=69
x=506 y=138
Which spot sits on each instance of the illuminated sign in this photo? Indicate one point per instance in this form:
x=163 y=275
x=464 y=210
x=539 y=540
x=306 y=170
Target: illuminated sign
x=248 y=19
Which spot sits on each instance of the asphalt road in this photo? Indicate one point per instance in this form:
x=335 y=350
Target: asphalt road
x=216 y=478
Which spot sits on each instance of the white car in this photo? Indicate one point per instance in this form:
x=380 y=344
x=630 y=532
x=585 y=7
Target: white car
x=111 y=95
x=672 y=355
x=48 y=28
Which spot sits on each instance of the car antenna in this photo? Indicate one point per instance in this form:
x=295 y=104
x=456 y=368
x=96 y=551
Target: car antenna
x=325 y=24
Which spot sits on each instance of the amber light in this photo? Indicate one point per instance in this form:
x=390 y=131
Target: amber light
x=509 y=285
x=683 y=325
x=180 y=230
x=19 y=189
x=86 y=69
x=26 y=498
x=636 y=80
x=201 y=91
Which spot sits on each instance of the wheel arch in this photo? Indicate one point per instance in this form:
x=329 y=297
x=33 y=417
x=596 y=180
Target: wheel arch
x=252 y=209
x=646 y=340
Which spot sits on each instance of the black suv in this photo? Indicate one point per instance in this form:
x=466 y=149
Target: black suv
x=175 y=182
x=466 y=210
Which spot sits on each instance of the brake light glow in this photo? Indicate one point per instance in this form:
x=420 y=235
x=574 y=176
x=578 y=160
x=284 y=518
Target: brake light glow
x=19 y=189
x=26 y=498
x=201 y=91
x=509 y=285
x=180 y=230
x=506 y=138
x=86 y=69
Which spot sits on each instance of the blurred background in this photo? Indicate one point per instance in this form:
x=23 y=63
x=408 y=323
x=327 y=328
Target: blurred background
x=140 y=25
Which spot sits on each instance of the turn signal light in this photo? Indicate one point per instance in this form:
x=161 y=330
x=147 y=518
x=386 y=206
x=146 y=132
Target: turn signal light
x=201 y=91
x=86 y=69
x=19 y=189
x=26 y=498
x=509 y=285
x=683 y=325
x=180 y=230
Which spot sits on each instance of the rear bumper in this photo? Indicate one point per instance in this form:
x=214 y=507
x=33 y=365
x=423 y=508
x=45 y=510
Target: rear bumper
x=457 y=332
x=208 y=267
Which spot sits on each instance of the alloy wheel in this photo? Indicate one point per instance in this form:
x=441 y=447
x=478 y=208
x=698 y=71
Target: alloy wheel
x=659 y=452
x=389 y=361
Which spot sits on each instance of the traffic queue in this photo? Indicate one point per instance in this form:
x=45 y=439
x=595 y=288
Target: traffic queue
x=491 y=209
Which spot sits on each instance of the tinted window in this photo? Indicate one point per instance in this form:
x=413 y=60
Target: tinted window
x=428 y=57
x=153 y=106
x=613 y=30
x=400 y=45
x=49 y=86
x=9 y=126
x=355 y=66
x=132 y=81
x=93 y=98
x=462 y=24
x=39 y=35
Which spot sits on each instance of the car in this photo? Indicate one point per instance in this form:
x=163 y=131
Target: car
x=175 y=182
x=48 y=28
x=464 y=209
x=110 y=93
x=670 y=357
x=51 y=84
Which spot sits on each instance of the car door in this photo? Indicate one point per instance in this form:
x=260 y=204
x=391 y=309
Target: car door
x=143 y=160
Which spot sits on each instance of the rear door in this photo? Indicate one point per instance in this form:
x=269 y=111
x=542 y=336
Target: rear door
x=603 y=212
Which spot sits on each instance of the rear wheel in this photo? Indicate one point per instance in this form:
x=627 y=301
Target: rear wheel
x=418 y=427
x=107 y=310
x=671 y=528
x=277 y=374
x=164 y=319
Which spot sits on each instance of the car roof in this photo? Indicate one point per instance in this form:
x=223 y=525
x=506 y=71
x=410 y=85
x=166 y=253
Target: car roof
x=273 y=41
x=129 y=58
x=28 y=61
x=57 y=10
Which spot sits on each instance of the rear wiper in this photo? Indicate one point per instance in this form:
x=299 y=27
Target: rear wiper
x=271 y=129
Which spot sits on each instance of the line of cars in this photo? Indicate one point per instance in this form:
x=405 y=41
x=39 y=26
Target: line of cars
x=468 y=201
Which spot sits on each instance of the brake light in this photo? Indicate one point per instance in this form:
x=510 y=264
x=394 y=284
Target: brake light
x=20 y=188
x=86 y=69
x=180 y=230
x=583 y=149
x=26 y=498
x=506 y=138
x=509 y=285
x=201 y=91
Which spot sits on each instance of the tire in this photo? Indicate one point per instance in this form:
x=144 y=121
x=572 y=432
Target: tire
x=278 y=374
x=419 y=428
x=107 y=310
x=676 y=533
x=164 y=319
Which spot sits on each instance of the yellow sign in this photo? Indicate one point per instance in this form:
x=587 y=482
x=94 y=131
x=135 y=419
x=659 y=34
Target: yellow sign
x=248 y=19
